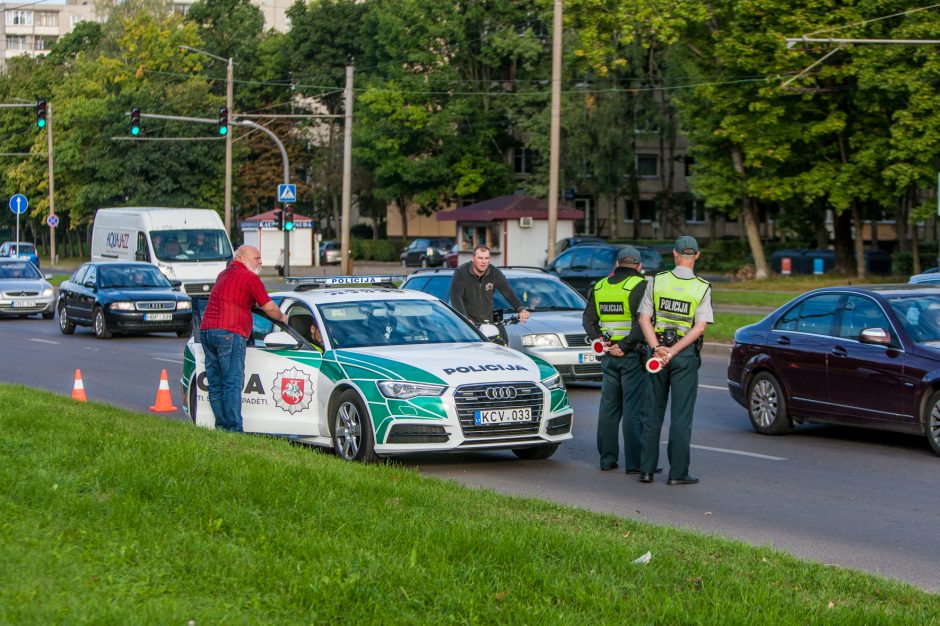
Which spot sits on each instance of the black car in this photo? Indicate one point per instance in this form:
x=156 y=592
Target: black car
x=583 y=265
x=123 y=298
x=854 y=356
x=426 y=252
x=578 y=240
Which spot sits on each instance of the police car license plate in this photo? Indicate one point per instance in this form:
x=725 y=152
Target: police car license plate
x=26 y=304
x=158 y=317
x=502 y=416
x=587 y=357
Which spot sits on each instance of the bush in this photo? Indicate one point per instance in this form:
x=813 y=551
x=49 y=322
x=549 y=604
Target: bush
x=361 y=231
x=902 y=263
x=375 y=250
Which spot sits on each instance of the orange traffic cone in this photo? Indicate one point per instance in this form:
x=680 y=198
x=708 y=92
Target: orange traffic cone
x=164 y=401
x=78 y=389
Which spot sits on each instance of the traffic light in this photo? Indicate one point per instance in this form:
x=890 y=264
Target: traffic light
x=41 y=113
x=135 y=121
x=223 y=121
x=288 y=217
x=279 y=219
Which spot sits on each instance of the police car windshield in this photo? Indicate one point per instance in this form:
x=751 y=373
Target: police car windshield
x=541 y=294
x=191 y=245
x=393 y=323
x=19 y=271
x=131 y=277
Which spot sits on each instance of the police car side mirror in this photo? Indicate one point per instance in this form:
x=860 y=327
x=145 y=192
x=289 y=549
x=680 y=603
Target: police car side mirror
x=489 y=331
x=280 y=341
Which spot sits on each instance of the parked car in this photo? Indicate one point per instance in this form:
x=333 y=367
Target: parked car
x=330 y=252
x=583 y=265
x=927 y=278
x=399 y=372
x=855 y=356
x=554 y=331
x=26 y=251
x=426 y=252
x=123 y=298
x=24 y=291
x=453 y=257
x=578 y=240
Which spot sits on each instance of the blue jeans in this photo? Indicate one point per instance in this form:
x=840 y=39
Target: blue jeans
x=225 y=376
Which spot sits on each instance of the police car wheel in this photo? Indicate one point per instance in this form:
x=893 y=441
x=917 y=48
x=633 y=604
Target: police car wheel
x=192 y=399
x=932 y=422
x=535 y=453
x=66 y=325
x=767 y=406
x=101 y=325
x=351 y=426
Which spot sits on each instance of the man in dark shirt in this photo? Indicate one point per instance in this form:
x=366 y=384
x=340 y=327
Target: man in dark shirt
x=471 y=290
x=612 y=310
x=226 y=326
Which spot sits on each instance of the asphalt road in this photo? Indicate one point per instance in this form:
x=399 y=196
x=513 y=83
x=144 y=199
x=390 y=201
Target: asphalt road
x=850 y=498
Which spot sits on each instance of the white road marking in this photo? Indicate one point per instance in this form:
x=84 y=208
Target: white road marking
x=713 y=387
x=739 y=452
x=49 y=341
x=157 y=358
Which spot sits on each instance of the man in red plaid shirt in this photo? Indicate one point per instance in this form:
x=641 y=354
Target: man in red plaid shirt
x=226 y=327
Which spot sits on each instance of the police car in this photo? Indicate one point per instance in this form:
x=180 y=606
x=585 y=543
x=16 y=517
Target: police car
x=399 y=372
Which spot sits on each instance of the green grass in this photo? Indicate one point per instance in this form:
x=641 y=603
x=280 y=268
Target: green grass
x=751 y=298
x=801 y=283
x=722 y=331
x=112 y=517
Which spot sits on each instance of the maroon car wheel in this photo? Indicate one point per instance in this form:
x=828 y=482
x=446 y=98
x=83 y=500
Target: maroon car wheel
x=932 y=422
x=767 y=407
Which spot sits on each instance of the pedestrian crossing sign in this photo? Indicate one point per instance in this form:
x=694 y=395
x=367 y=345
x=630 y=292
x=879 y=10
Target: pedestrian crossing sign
x=287 y=193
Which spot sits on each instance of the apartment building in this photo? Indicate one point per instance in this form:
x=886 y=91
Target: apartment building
x=33 y=28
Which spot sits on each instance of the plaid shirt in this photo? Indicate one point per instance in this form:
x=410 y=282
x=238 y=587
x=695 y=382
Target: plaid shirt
x=235 y=292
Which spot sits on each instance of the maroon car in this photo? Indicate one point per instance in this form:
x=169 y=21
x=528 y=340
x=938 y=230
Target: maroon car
x=854 y=356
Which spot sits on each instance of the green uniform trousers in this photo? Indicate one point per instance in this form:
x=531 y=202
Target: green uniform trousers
x=623 y=403
x=681 y=378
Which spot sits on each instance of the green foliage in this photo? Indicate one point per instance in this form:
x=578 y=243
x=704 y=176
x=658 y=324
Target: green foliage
x=113 y=517
x=375 y=249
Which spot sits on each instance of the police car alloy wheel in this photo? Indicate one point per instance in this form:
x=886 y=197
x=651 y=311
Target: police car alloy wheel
x=351 y=426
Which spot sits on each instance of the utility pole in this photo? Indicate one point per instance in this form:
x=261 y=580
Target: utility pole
x=52 y=253
x=555 y=132
x=347 y=170
x=229 y=103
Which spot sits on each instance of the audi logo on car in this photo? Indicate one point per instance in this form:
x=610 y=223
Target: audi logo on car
x=500 y=393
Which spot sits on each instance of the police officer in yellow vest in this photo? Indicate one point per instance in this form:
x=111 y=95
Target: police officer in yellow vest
x=610 y=312
x=676 y=309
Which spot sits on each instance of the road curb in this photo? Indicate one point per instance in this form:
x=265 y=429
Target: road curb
x=713 y=348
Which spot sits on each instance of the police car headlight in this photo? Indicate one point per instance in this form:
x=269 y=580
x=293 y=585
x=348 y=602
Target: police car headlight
x=531 y=341
x=121 y=306
x=184 y=305
x=555 y=382
x=402 y=391
x=48 y=293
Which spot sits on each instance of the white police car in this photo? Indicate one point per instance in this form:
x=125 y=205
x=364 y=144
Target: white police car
x=400 y=372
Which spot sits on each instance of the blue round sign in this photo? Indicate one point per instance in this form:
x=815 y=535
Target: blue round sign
x=52 y=220
x=18 y=203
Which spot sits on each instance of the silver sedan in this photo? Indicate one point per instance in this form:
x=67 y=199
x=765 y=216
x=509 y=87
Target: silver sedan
x=24 y=290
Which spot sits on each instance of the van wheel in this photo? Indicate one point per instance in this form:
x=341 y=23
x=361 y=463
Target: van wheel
x=101 y=325
x=66 y=325
x=353 y=439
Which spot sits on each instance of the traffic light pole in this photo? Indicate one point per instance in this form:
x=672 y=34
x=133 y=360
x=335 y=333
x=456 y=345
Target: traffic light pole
x=247 y=124
x=52 y=254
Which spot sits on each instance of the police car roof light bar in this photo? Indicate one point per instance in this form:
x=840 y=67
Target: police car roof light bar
x=304 y=283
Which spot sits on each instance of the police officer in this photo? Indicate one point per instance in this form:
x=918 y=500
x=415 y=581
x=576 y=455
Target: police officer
x=676 y=309
x=611 y=308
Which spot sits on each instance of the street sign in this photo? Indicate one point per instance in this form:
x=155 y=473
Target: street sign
x=287 y=193
x=53 y=221
x=18 y=203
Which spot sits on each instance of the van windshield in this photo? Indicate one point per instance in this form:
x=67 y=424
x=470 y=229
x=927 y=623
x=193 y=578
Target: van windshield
x=191 y=245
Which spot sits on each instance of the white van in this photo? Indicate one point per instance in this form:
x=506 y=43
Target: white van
x=188 y=245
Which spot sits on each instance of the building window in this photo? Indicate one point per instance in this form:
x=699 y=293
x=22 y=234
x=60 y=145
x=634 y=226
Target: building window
x=75 y=19
x=647 y=166
x=19 y=18
x=47 y=18
x=647 y=211
x=689 y=164
x=17 y=42
x=524 y=160
x=473 y=235
x=41 y=44
x=695 y=212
